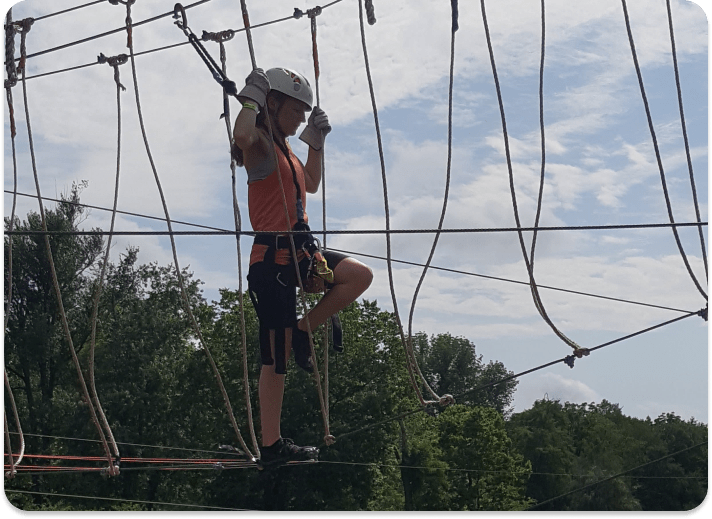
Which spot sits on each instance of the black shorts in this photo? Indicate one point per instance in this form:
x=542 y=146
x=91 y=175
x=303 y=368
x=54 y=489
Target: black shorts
x=273 y=290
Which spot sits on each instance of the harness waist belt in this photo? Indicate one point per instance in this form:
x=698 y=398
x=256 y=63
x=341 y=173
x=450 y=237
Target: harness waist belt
x=281 y=241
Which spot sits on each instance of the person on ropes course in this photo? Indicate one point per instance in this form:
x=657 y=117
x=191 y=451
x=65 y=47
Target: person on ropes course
x=285 y=96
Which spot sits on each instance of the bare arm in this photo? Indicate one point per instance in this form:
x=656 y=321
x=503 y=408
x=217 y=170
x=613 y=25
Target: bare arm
x=312 y=170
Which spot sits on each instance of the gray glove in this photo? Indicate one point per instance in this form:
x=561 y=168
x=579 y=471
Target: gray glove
x=256 y=87
x=317 y=128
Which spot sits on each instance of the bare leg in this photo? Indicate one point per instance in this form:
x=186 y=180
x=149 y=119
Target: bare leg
x=351 y=279
x=271 y=394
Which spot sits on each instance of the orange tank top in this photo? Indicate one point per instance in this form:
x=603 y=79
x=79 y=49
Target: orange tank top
x=266 y=205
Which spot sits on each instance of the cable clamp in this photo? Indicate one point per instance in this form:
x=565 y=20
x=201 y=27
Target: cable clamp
x=219 y=37
x=298 y=13
x=703 y=313
x=313 y=13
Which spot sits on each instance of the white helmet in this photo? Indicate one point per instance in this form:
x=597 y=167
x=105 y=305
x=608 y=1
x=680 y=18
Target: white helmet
x=292 y=84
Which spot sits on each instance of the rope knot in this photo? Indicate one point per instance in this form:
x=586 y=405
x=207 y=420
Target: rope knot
x=298 y=13
x=703 y=313
x=313 y=13
x=329 y=439
x=370 y=14
x=114 y=62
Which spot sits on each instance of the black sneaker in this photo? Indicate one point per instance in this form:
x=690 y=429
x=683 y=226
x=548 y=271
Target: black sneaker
x=284 y=451
x=301 y=349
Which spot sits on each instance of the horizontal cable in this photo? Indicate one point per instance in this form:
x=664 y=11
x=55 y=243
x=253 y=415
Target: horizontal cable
x=68 y=10
x=127 y=213
x=114 y=499
x=108 y=33
x=495 y=278
x=369 y=231
x=296 y=15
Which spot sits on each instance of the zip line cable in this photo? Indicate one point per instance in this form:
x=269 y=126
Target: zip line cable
x=489 y=230
x=37 y=19
x=651 y=127
x=495 y=278
x=404 y=262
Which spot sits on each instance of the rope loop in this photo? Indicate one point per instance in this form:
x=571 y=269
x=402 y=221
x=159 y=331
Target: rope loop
x=370 y=14
x=219 y=37
x=314 y=12
x=329 y=439
x=115 y=61
x=446 y=400
x=10 y=67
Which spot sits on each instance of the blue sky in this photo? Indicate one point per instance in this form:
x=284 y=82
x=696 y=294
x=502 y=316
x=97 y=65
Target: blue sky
x=600 y=168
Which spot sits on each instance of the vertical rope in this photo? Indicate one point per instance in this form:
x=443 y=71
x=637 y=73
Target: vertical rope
x=541 y=129
x=389 y=261
x=455 y=26
x=181 y=283
x=10 y=82
x=534 y=290
x=684 y=135
x=238 y=229
x=657 y=150
x=114 y=62
x=111 y=469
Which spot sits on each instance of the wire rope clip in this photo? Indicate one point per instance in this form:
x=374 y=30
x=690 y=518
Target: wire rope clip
x=703 y=313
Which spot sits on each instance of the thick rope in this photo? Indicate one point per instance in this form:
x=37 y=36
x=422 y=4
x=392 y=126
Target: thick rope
x=535 y=292
x=24 y=26
x=684 y=135
x=9 y=83
x=657 y=149
x=238 y=228
x=328 y=438
x=179 y=275
x=411 y=351
x=389 y=264
x=313 y=13
x=114 y=62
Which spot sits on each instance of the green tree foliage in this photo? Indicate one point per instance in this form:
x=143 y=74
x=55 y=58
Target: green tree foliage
x=576 y=446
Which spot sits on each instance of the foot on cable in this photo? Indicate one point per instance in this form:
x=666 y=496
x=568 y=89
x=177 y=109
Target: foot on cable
x=283 y=451
x=302 y=349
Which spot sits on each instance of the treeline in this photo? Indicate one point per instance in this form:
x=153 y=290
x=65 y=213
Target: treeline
x=162 y=401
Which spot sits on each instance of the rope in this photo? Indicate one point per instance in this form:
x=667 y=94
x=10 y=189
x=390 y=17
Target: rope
x=391 y=284
x=24 y=27
x=370 y=14
x=328 y=438
x=312 y=14
x=684 y=134
x=9 y=83
x=221 y=38
x=114 y=62
x=411 y=352
x=535 y=293
x=179 y=275
x=657 y=149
